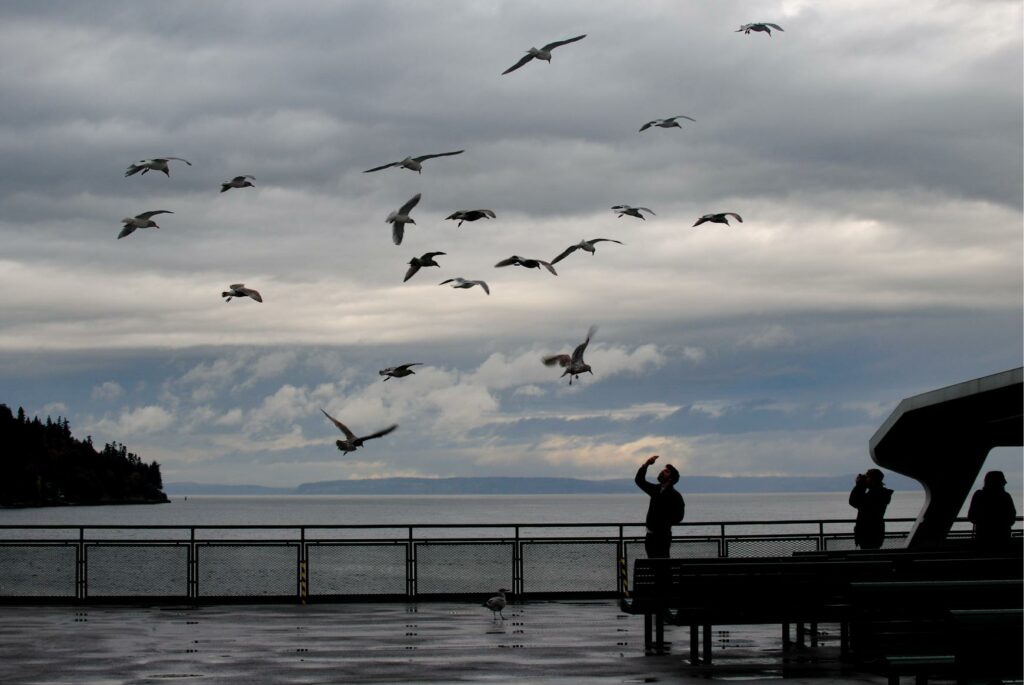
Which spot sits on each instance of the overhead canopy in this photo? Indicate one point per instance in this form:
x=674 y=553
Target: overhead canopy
x=942 y=437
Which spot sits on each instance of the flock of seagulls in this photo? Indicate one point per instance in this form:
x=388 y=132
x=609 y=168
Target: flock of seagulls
x=573 y=364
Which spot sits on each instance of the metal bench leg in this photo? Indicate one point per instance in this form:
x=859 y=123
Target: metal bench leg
x=814 y=635
x=800 y=634
x=707 y=643
x=648 y=643
x=659 y=627
x=785 y=637
x=694 y=645
x=844 y=640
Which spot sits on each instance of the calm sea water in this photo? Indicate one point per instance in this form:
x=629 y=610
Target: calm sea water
x=452 y=510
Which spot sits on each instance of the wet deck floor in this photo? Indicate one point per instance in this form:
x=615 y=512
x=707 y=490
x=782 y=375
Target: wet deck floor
x=538 y=642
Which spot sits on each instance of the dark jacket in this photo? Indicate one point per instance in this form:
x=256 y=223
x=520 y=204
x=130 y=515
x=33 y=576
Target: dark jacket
x=992 y=513
x=869 y=531
x=666 y=507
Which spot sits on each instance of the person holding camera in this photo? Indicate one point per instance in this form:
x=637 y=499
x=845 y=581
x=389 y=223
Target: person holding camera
x=870 y=498
x=666 y=508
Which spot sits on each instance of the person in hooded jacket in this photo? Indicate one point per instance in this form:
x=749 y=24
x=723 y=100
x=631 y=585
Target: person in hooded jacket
x=870 y=498
x=992 y=512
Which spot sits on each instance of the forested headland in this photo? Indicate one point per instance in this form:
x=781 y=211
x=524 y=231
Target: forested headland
x=42 y=464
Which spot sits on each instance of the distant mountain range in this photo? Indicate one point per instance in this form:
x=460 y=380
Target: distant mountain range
x=536 y=486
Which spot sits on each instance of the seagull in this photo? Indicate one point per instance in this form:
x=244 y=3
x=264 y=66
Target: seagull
x=573 y=365
x=239 y=290
x=463 y=283
x=544 y=53
x=666 y=123
x=351 y=442
x=156 y=164
x=497 y=603
x=238 y=182
x=399 y=371
x=516 y=260
x=585 y=245
x=471 y=215
x=398 y=219
x=413 y=163
x=144 y=220
x=759 y=26
x=416 y=263
x=624 y=210
x=722 y=218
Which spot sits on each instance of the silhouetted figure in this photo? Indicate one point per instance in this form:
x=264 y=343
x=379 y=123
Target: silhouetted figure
x=870 y=498
x=992 y=511
x=666 y=508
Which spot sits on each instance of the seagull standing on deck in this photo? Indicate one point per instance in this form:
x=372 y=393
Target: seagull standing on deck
x=400 y=217
x=666 y=123
x=574 y=364
x=144 y=220
x=762 y=26
x=497 y=603
x=585 y=245
x=155 y=164
x=413 y=163
x=544 y=53
x=722 y=218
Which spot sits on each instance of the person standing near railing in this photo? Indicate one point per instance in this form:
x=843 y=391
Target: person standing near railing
x=665 y=509
x=870 y=498
x=992 y=512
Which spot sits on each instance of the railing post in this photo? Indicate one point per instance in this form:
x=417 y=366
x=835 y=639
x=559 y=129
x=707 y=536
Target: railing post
x=193 y=566
x=723 y=550
x=303 y=567
x=517 y=566
x=80 y=568
x=410 y=567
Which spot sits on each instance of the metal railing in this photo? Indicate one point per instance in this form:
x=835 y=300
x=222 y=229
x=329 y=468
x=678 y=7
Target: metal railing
x=211 y=563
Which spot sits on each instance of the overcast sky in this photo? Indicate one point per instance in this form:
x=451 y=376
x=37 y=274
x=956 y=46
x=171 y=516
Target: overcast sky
x=873 y=150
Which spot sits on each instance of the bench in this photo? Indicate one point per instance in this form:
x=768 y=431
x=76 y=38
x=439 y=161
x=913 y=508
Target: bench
x=963 y=628
x=736 y=591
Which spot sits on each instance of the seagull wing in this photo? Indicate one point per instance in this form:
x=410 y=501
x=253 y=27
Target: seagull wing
x=511 y=261
x=413 y=201
x=605 y=240
x=451 y=280
x=648 y=125
x=483 y=285
x=651 y=212
x=734 y=214
x=565 y=253
x=702 y=220
x=680 y=116
x=487 y=212
x=557 y=43
x=254 y=294
x=411 y=272
x=439 y=154
x=397 y=232
x=560 y=359
x=547 y=265
x=383 y=166
x=379 y=433
x=180 y=159
x=577 y=354
x=342 y=427
x=525 y=58
x=431 y=255
x=146 y=216
x=775 y=26
x=406 y=366
x=127 y=230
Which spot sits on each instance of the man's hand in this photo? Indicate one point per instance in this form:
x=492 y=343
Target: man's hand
x=651 y=460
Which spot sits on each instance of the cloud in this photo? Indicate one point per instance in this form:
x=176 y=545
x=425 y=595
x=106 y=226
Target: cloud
x=134 y=422
x=108 y=390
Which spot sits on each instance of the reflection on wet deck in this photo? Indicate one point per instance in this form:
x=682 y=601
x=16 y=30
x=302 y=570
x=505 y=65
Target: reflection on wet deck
x=539 y=642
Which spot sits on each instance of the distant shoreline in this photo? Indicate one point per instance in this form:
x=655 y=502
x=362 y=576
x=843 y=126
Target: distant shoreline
x=536 y=486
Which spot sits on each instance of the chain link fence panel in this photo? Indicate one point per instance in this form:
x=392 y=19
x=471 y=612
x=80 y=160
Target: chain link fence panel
x=247 y=570
x=364 y=569
x=136 y=570
x=37 y=570
x=463 y=568
x=569 y=566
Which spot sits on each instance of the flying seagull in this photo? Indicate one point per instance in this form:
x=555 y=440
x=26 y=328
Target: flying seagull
x=626 y=210
x=239 y=290
x=399 y=218
x=238 y=182
x=573 y=365
x=416 y=263
x=759 y=26
x=666 y=123
x=351 y=442
x=497 y=603
x=156 y=164
x=463 y=283
x=471 y=215
x=400 y=371
x=585 y=245
x=722 y=218
x=413 y=163
x=544 y=53
x=516 y=260
x=144 y=220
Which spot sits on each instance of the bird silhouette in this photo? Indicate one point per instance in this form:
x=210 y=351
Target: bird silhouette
x=239 y=290
x=351 y=442
x=722 y=218
x=417 y=263
x=666 y=123
x=497 y=603
x=400 y=371
x=471 y=215
x=238 y=182
x=144 y=220
x=400 y=217
x=585 y=245
x=459 y=282
x=544 y=53
x=516 y=260
x=573 y=364
x=155 y=164
x=413 y=163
